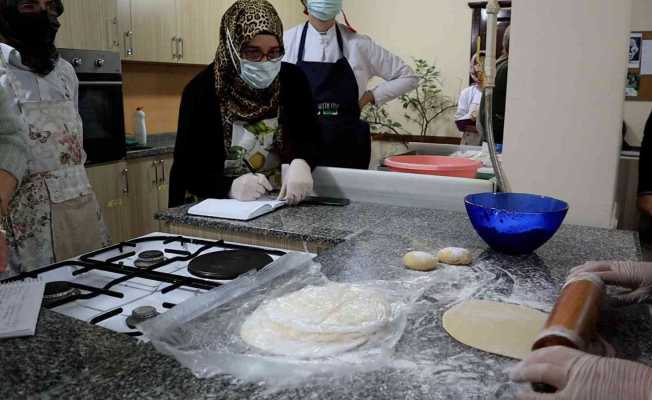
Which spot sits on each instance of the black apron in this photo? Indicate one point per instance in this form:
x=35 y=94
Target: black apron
x=345 y=140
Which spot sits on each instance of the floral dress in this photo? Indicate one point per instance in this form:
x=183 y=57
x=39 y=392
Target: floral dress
x=54 y=214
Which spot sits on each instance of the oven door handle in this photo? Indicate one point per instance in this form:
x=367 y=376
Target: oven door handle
x=100 y=83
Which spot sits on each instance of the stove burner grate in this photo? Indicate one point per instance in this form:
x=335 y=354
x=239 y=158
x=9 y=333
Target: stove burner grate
x=58 y=291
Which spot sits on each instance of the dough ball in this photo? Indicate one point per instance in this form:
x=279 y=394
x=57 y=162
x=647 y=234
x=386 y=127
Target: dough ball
x=420 y=261
x=455 y=256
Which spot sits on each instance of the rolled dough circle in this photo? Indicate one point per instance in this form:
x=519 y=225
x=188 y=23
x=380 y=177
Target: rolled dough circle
x=505 y=329
x=420 y=261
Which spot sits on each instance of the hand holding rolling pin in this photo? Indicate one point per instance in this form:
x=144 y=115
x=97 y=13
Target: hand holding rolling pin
x=636 y=276
x=580 y=376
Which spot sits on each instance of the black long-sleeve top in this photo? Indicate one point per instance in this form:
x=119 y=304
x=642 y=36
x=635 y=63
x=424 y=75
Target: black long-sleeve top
x=199 y=152
x=645 y=164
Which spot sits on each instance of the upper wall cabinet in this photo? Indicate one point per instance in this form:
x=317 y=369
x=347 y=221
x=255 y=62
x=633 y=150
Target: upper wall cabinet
x=199 y=27
x=89 y=24
x=149 y=30
x=181 y=31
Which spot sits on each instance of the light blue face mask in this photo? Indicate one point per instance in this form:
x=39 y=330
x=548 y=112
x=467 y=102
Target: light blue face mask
x=324 y=10
x=258 y=75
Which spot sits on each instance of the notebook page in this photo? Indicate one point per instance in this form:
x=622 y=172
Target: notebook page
x=233 y=209
x=20 y=304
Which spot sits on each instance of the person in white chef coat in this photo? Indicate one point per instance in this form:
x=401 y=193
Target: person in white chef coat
x=468 y=106
x=339 y=64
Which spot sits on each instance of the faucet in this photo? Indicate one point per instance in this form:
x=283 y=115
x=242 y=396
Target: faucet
x=490 y=83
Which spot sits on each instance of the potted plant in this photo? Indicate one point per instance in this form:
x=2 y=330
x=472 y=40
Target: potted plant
x=422 y=107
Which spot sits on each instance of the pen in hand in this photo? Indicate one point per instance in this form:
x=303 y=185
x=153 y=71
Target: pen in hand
x=249 y=166
x=251 y=169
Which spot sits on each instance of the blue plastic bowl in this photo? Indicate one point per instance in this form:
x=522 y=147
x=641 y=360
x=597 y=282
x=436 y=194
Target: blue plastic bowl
x=515 y=223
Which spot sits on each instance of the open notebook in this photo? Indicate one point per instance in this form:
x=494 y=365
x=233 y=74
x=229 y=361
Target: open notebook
x=234 y=209
x=20 y=304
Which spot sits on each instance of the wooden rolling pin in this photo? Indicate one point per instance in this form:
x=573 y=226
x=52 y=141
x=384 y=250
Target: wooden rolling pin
x=573 y=321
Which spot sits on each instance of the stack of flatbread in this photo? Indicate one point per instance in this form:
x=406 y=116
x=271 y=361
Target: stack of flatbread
x=317 y=321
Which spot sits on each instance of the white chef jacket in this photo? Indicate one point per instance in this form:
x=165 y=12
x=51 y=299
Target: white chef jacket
x=367 y=59
x=469 y=102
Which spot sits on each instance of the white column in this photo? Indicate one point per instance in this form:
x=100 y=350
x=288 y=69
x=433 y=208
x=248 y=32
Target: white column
x=565 y=102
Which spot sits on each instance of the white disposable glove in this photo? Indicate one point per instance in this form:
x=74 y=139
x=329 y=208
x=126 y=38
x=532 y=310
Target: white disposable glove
x=250 y=187
x=579 y=376
x=297 y=183
x=636 y=276
x=4 y=253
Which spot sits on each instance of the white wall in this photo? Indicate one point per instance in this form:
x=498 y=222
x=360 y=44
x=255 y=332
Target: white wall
x=435 y=30
x=637 y=112
x=565 y=103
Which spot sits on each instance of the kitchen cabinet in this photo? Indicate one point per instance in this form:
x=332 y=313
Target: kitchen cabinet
x=90 y=25
x=149 y=30
x=199 y=29
x=181 y=31
x=111 y=185
x=130 y=193
x=148 y=178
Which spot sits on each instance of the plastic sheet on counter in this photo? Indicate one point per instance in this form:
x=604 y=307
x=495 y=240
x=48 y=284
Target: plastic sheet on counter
x=204 y=333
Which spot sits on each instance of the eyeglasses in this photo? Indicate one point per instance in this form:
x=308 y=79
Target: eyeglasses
x=256 y=55
x=34 y=6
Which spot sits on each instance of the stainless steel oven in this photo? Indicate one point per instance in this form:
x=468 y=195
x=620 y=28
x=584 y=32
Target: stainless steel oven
x=100 y=102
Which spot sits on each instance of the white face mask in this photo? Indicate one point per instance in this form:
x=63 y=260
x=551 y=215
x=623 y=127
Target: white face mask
x=324 y=10
x=258 y=75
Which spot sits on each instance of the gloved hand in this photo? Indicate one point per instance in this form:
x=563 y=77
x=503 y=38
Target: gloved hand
x=579 y=376
x=250 y=187
x=297 y=184
x=636 y=276
x=4 y=253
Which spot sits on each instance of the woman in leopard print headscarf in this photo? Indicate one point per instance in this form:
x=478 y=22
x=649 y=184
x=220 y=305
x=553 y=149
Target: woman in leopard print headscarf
x=241 y=23
x=245 y=111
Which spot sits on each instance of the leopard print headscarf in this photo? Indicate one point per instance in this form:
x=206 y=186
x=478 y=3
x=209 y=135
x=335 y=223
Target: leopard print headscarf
x=238 y=101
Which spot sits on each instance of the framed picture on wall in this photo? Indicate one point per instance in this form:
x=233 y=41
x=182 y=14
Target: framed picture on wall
x=635 y=43
x=633 y=84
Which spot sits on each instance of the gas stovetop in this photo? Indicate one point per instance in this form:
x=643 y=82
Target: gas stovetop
x=123 y=285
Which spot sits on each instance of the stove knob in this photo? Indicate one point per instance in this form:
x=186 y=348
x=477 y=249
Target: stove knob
x=99 y=62
x=77 y=61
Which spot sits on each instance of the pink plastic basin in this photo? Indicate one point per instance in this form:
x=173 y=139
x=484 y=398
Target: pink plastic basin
x=434 y=165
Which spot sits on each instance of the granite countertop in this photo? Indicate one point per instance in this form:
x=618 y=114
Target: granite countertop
x=72 y=359
x=159 y=144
